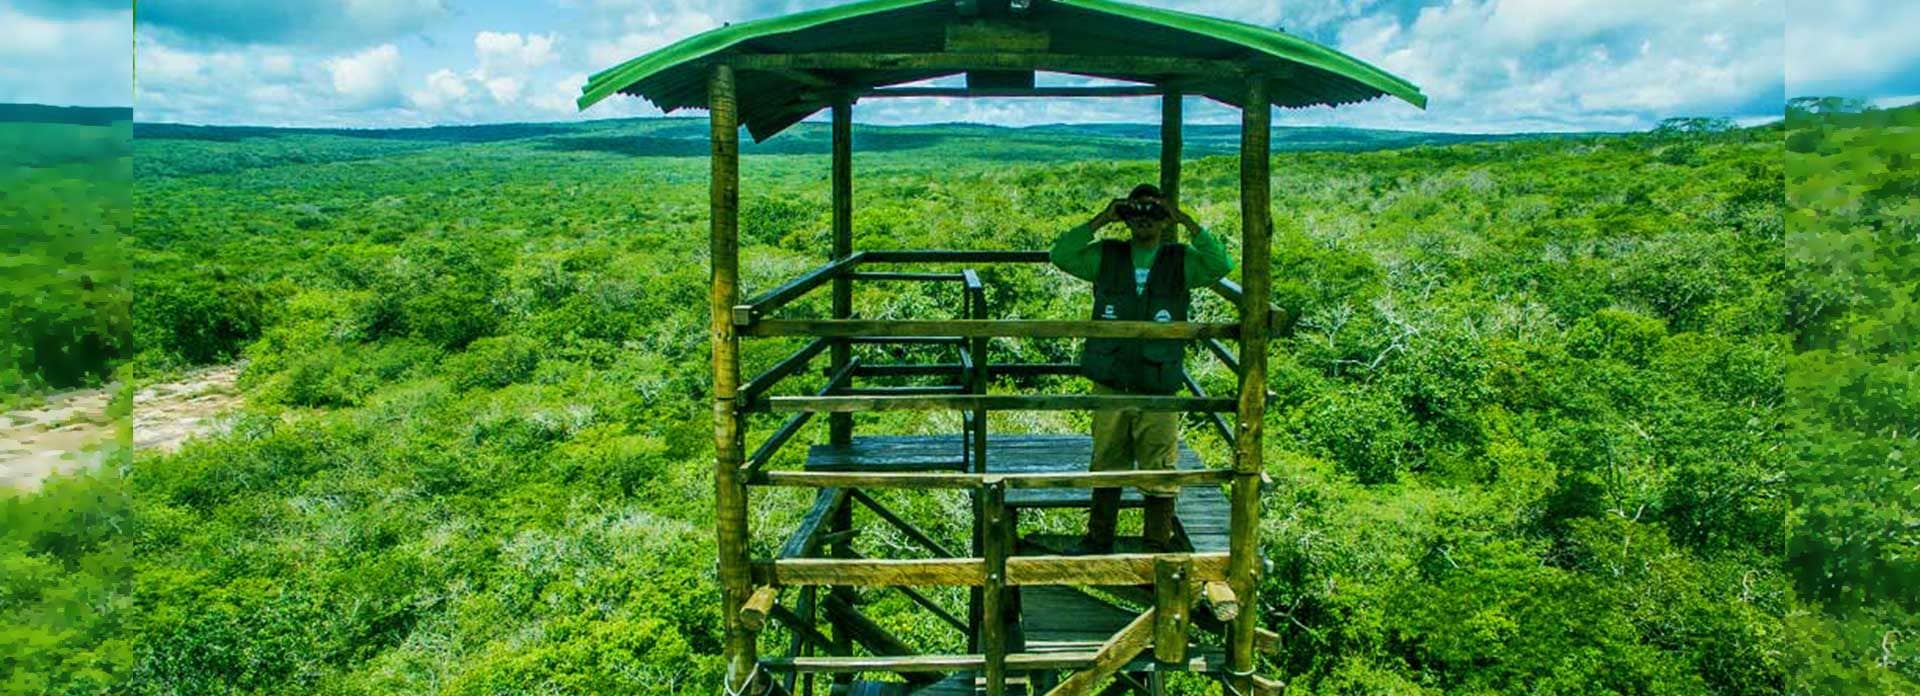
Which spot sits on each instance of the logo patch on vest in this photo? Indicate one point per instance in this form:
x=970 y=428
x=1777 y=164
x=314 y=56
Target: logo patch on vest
x=1109 y=313
x=1163 y=315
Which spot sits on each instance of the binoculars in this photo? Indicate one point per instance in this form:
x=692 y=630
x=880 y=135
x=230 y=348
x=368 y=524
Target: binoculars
x=1141 y=210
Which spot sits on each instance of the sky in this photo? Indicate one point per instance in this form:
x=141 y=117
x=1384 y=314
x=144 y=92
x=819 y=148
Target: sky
x=1486 y=65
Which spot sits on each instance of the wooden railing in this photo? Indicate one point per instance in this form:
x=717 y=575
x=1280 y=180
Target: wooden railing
x=990 y=566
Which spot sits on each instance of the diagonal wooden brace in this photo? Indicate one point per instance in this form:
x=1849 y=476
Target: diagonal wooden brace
x=1114 y=654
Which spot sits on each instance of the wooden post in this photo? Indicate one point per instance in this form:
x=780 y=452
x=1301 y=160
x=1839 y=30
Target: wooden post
x=993 y=623
x=840 y=425
x=729 y=439
x=1172 y=602
x=1256 y=276
x=1171 y=142
x=842 y=548
x=976 y=354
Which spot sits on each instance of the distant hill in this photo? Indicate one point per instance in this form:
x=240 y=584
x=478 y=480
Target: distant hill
x=38 y=136
x=658 y=137
x=66 y=115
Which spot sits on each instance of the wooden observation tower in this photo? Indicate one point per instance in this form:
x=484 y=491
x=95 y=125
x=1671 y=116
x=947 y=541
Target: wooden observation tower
x=1036 y=621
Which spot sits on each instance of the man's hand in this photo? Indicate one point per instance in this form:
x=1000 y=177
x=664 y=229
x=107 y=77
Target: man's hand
x=1108 y=216
x=1179 y=216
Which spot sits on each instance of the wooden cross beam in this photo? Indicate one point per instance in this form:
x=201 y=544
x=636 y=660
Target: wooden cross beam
x=1114 y=654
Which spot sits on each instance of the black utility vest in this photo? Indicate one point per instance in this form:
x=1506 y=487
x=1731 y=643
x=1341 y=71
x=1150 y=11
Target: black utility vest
x=1141 y=366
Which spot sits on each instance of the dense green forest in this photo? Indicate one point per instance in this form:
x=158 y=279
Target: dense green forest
x=1556 y=415
x=65 y=186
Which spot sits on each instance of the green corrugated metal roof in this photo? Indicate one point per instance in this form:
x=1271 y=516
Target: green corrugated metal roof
x=674 y=77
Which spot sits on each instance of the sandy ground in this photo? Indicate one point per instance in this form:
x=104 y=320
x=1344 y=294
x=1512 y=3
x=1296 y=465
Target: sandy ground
x=72 y=430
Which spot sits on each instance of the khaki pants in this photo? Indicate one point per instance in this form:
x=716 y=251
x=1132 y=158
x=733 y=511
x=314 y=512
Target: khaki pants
x=1126 y=440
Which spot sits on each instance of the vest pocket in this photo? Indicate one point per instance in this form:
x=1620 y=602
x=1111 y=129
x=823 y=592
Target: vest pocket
x=1100 y=361
x=1162 y=366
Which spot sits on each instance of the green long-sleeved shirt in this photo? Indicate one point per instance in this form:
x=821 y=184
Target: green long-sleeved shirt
x=1076 y=253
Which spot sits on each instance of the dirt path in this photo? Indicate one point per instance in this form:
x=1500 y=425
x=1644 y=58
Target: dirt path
x=72 y=430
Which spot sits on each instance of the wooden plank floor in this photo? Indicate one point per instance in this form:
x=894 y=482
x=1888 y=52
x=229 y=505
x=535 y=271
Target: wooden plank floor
x=1202 y=509
x=1065 y=619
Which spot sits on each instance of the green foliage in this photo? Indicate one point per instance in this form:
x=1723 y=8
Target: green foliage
x=1851 y=240
x=1528 y=435
x=64 y=208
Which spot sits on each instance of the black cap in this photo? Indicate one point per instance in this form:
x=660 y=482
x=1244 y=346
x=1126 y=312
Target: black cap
x=1146 y=191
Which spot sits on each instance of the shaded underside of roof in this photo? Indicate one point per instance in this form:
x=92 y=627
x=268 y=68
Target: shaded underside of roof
x=674 y=77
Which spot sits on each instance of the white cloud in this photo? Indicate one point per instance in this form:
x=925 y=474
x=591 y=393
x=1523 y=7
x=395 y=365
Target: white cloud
x=84 y=60
x=1497 y=63
x=443 y=87
x=1488 y=65
x=1852 y=47
x=498 y=52
x=656 y=31
x=505 y=90
x=368 y=78
x=559 y=96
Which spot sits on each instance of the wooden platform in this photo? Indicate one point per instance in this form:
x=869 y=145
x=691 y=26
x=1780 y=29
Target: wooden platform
x=1053 y=619
x=1201 y=510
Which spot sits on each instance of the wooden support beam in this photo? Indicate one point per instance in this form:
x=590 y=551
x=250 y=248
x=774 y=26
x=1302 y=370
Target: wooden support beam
x=806 y=538
x=1014 y=93
x=929 y=663
x=1221 y=600
x=787 y=367
x=838 y=537
x=905 y=527
x=1256 y=231
x=802 y=629
x=962 y=61
x=1173 y=602
x=925 y=390
x=993 y=620
x=1113 y=569
x=771 y=301
x=803 y=638
x=905 y=340
x=955 y=369
x=1226 y=356
x=896 y=664
x=922 y=256
x=840 y=426
x=730 y=508
x=806 y=78
x=872 y=636
x=763 y=454
x=985 y=328
x=753 y=614
x=1170 y=145
x=1142 y=479
x=1231 y=292
x=879 y=277
x=884 y=572
x=1114 y=654
x=993 y=402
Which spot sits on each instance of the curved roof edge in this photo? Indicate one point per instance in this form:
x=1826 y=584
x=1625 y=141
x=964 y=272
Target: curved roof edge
x=609 y=82
x=1276 y=44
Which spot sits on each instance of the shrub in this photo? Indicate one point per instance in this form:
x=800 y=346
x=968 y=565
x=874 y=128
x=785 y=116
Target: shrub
x=493 y=362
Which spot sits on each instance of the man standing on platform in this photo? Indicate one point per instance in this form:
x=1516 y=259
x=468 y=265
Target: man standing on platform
x=1148 y=277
